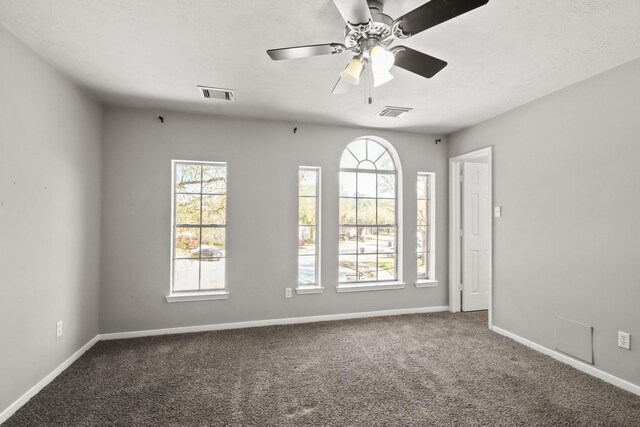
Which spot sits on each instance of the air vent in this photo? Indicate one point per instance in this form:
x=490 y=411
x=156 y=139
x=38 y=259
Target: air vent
x=394 y=111
x=216 y=93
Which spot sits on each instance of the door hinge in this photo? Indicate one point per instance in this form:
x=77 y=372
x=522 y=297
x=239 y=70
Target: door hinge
x=461 y=178
x=461 y=286
x=461 y=232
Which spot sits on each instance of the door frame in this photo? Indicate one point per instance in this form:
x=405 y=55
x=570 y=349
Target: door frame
x=455 y=205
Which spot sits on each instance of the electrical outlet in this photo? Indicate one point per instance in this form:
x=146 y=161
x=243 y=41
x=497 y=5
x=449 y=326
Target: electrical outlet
x=624 y=340
x=287 y=293
x=58 y=329
x=497 y=211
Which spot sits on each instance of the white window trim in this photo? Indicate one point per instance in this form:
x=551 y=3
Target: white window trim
x=189 y=296
x=373 y=286
x=315 y=288
x=399 y=282
x=431 y=281
x=308 y=289
x=197 y=296
x=426 y=283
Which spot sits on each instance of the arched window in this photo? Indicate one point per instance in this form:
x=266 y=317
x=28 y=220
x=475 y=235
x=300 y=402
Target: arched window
x=369 y=232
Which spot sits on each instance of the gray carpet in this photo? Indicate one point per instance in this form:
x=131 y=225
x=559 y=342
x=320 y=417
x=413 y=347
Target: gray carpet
x=433 y=369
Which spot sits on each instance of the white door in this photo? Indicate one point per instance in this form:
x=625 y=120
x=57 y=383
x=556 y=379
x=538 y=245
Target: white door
x=475 y=236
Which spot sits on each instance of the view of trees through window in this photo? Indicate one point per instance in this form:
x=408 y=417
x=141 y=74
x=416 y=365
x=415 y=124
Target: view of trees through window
x=424 y=223
x=308 y=220
x=200 y=225
x=368 y=213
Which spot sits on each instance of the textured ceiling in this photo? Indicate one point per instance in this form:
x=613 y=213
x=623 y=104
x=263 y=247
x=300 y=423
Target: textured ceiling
x=153 y=53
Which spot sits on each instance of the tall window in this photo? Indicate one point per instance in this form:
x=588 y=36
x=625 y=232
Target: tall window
x=424 y=235
x=368 y=213
x=308 y=226
x=199 y=220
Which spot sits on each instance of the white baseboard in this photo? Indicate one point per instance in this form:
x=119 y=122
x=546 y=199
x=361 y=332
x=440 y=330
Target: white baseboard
x=4 y=415
x=270 y=322
x=581 y=366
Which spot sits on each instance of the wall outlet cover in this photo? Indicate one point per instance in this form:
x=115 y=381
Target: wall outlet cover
x=287 y=293
x=624 y=340
x=59 y=329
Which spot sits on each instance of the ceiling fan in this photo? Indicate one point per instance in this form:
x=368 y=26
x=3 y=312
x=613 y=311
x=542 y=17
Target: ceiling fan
x=369 y=33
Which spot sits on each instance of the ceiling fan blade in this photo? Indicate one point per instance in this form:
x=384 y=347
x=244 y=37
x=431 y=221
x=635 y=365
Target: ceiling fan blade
x=305 y=51
x=433 y=13
x=417 y=62
x=354 y=11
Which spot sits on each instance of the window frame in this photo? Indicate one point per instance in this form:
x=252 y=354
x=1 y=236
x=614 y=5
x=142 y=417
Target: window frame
x=429 y=249
x=316 y=287
x=371 y=285
x=199 y=294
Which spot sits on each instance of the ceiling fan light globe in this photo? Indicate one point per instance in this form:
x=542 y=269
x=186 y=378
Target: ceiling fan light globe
x=351 y=74
x=381 y=77
x=381 y=58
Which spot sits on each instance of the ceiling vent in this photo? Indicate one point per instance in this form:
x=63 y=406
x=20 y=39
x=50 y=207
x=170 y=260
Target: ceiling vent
x=216 y=93
x=394 y=111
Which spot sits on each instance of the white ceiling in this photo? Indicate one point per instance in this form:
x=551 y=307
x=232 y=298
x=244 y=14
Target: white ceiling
x=153 y=53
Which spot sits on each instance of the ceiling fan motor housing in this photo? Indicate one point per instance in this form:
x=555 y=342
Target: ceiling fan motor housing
x=380 y=30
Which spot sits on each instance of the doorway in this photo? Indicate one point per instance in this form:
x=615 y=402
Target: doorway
x=470 y=199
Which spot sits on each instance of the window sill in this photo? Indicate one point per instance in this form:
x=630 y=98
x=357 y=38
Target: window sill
x=370 y=287
x=304 y=290
x=197 y=296
x=426 y=284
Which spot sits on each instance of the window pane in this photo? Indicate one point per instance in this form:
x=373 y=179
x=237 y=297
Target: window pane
x=186 y=274
x=386 y=212
x=348 y=160
x=307 y=240
x=366 y=184
x=422 y=239
x=422 y=265
x=307 y=182
x=367 y=267
x=359 y=149
x=188 y=178
x=385 y=162
x=422 y=212
x=307 y=270
x=387 y=186
x=374 y=150
x=348 y=240
x=213 y=242
x=386 y=240
x=187 y=209
x=187 y=242
x=212 y=272
x=347 y=211
x=307 y=210
x=386 y=267
x=347 y=184
x=214 y=179
x=214 y=209
x=422 y=187
x=347 y=268
x=367 y=240
x=366 y=211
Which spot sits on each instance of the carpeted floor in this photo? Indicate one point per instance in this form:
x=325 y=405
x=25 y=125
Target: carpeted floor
x=425 y=369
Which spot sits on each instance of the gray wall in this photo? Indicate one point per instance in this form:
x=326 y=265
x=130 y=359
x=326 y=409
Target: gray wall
x=49 y=218
x=263 y=159
x=566 y=173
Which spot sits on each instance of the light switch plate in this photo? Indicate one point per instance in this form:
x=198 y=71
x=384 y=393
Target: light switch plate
x=287 y=293
x=497 y=211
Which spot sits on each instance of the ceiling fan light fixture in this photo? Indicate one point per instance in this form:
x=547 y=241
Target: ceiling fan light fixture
x=381 y=77
x=381 y=58
x=351 y=74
